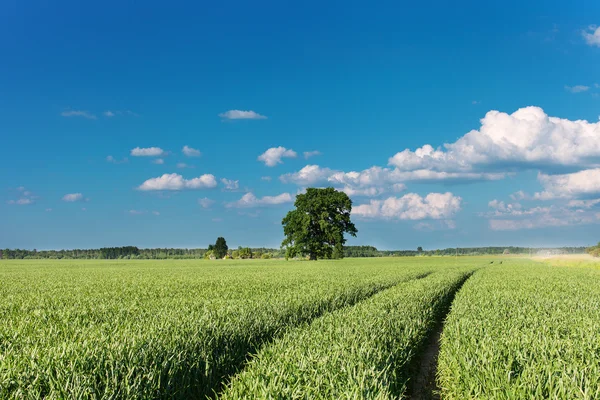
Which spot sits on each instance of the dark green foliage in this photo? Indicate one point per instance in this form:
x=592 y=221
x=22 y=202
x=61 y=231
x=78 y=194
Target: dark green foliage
x=220 y=248
x=244 y=252
x=316 y=227
x=117 y=252
x=420 y=249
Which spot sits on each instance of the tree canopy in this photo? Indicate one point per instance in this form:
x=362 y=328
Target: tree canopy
x=316 y=227
x=220 y=248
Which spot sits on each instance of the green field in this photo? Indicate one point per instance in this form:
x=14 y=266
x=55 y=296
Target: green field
x=356 y=328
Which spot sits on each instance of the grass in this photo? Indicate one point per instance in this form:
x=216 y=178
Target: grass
x=163 y=329
x=365 y=351
x=523 y=331
x=356 y=328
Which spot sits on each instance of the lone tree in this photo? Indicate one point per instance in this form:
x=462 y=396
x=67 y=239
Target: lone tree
x=220 y=248
x=317 y=226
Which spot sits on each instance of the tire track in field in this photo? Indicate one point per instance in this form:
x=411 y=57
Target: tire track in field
x=424 y=384
x=255 y=349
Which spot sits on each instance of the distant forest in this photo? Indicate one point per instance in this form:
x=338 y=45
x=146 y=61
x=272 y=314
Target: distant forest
x=132 y=252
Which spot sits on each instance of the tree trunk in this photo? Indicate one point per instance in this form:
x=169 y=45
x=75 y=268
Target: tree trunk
x=312 y=257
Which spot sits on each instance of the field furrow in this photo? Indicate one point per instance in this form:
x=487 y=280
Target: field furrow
x=523 y=331
x=366 y=351
x=161 y=330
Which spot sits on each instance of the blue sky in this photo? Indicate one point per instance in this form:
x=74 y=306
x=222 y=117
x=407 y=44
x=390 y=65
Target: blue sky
x=447 y=126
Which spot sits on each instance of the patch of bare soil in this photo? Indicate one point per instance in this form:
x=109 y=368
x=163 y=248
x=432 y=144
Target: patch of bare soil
x=425 y=386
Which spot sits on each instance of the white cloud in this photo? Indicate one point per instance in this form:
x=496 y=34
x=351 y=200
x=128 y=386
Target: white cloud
x=136 y=212
x=308 y=175
x=205 y=202
x=525 y=139
x=502 y=209
x=383 y=178
x=592 y=35
x=579 y=184
x=309 y=154
x=577 y=88
x=109 y=114
x=177 y=182
x=475 y=102
x=21 y=202
x=78 y=113
x=239 y=114
x=25 y=197
x=48 y=210
x=147 y=152
x=190 y=152
x=265 y=178
x=520 y=195
x=230 y=184
x=583 y=203
x=368 y=191
x=273 y=156
x=72 y=197
x=155 y=213
x=112 y=160
x=183 y=165
x=553 y=217
x=250 y=200
x=411 y=207
x=159 y=161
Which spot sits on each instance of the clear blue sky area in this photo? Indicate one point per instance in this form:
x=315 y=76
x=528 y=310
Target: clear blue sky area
x=167 y=124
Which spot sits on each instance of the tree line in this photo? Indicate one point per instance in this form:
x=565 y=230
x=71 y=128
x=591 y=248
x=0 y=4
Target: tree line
x=132 y=252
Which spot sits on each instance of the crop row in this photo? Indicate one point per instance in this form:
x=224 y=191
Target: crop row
x=523 y=332
x=366 y=351
x=160 y=330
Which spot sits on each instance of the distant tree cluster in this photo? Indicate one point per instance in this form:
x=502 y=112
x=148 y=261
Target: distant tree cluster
x=594 y=250
x=119 y=252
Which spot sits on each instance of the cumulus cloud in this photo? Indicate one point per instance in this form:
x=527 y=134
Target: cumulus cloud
x=309 y=154
x=159 y=161
x=205 y=202
x=230 y=184
x=411 y=207
x=72 y=197
x=190 y=152
x=239 y=114
x=525 y=139
x=147 y=152
x=383 y=179
x=177 y=182
x=78 y=113
x=273 y=156
x=592 y=35
x=577 y=88
x=576 y=185
x=250 y=200
x=308 y=175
